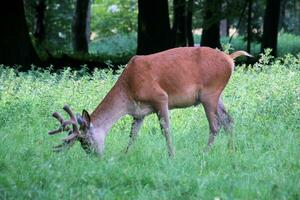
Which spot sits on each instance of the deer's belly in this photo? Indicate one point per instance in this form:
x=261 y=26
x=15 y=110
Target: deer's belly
x=182 y=101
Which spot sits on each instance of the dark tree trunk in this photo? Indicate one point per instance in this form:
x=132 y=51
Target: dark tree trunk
x=182 y=25
x=270 y=28
x=81 y=26
x=282 y=24
x=211 y=24
x=15 y=42
x=224 y=23
x=297 y=13
x=223 y=27
x=180 y=22
x=39 y=26
x=154 y=33
x=249 y=26
x=189 y=23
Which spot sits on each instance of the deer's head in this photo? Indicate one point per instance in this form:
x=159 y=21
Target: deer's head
x=81 y=130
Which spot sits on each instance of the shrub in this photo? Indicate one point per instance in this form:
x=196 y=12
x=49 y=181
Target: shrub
x=287 y=44
x=116 y=46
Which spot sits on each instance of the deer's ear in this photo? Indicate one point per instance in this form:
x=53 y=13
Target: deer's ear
x=80 y=120
x=86 y=117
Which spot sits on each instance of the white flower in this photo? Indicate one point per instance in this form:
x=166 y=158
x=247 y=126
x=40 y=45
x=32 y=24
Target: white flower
x=113 y=8
x=61 y=35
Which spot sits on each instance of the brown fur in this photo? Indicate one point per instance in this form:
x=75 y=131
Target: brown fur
x=183 y=74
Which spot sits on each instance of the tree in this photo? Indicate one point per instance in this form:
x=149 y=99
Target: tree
x=39 y=26
x=154 y=32
x=81 y=26
x=224 y=27
x=182 y=25
x=270 y=27
x=55 y=20
x=15 y=43
x=189 y=23
x=282 y=24
x=211 y=24
x=112 y=17
x=249 y=27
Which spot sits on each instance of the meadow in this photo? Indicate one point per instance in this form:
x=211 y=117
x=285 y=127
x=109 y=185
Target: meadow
x=260 y=159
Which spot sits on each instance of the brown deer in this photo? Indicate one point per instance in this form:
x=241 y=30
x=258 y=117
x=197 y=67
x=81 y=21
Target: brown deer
x=176 y=78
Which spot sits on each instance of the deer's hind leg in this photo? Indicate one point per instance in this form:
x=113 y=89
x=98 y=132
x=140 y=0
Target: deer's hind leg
x=226 y=121
x=210 y=104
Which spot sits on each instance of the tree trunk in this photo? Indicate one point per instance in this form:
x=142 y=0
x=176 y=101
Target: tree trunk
x=282 y=25
x=182 y=25
x=39 y=26
x=179 y=24
x=270 y=28
x=296 y=12
x=81 y=26
x=154 y=33
x=249 y=26
x=15 y=43
x=223 y=27
x=189 y=23
x=211 y=24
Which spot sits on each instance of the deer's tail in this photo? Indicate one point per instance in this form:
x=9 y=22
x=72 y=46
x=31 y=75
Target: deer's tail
x=239 y=53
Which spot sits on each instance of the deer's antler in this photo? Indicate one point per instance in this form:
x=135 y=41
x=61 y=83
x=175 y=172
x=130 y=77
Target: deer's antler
x=74 y=134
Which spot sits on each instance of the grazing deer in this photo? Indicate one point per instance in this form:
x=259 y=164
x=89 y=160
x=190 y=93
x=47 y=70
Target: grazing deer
x=176 y=78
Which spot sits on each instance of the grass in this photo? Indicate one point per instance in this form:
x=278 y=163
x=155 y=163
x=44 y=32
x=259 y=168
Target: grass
x=259 y=160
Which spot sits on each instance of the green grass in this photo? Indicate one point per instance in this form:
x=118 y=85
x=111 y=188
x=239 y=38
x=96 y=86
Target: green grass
x=260 y=160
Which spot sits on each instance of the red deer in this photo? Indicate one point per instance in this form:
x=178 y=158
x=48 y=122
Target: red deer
x=175 y=78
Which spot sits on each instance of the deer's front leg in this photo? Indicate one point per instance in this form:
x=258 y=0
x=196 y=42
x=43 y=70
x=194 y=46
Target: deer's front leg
x=136 y=126
x=163 y=116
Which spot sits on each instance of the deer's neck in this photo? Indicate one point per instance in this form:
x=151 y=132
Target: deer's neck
x=110 y=110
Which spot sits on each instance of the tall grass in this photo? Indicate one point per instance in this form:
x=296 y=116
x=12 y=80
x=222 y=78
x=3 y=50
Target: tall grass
x=259 y=160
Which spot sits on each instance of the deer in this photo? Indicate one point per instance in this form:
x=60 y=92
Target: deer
x=156 y=83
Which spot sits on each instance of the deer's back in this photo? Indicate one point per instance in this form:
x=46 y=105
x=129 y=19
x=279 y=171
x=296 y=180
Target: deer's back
x=181 y=73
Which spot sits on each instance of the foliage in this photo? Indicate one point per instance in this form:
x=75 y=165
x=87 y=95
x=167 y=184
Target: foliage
x=287 y=44
x=292 y=23
x=119 y=48
x=259 y=160
x=111 y=17
x=120 y=45
x=106 y=14
x=58 y=21
x=230 y=6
